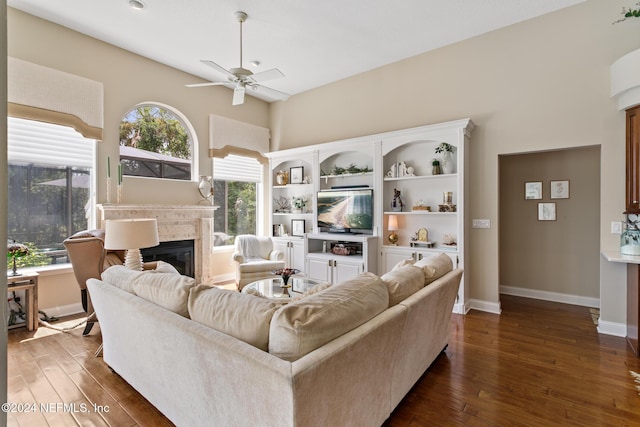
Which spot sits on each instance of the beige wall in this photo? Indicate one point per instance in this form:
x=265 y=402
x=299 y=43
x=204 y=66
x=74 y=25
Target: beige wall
x=128 y=79
x=539 y=85
x=559 y=256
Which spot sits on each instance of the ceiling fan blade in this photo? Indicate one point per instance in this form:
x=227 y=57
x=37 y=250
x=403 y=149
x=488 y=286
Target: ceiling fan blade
x=206 y=84
x=215 y=66
x=272 y=93
x=238 y=95
x=263 y=76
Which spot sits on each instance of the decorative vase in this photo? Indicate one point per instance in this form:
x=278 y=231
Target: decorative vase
x=630 y=239
x=282 y=177
x=436 y=170
x=396 y=203
x=447 y=163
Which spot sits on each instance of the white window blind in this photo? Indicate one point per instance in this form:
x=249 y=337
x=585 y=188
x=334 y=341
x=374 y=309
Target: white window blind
x=47 y=144
x=237 y=168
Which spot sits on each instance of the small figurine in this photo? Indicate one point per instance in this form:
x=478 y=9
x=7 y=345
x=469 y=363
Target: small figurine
x=402 y=169
x=392 y=171
x=396 y=204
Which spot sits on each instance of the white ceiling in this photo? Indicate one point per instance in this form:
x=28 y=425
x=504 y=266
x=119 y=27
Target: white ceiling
x=312 y=42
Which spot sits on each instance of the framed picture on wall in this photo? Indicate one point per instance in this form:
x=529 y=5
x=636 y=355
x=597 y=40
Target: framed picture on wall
x=546 y=211
x=297 y=227
x=533 y=190
x=560 y=189
x=296 y=175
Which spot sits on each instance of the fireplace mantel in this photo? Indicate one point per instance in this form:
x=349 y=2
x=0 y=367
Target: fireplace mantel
x=175 y=222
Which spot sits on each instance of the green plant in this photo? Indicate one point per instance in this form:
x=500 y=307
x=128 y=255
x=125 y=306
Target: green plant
x=629 y=13
x=444 y=148
x=435 y=162
x=299 y=202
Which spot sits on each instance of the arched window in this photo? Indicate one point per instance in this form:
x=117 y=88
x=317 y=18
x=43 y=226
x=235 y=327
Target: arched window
x=156 y=141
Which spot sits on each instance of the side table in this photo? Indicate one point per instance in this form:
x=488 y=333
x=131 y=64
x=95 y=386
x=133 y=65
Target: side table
x=28 y=283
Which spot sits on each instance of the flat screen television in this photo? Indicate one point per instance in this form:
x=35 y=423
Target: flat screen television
x=346 y=210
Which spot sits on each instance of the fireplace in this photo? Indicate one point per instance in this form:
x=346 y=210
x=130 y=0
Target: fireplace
x=175 y=223
x=179 y=253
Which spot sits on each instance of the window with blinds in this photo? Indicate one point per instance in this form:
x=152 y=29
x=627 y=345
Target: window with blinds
x=236 y=181
x=51 y=187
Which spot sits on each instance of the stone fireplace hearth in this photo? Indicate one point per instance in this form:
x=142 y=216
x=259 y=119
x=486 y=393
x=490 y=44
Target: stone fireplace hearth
x=175 y=222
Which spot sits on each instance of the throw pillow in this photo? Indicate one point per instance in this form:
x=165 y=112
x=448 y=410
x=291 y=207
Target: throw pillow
x=404 y=263
x=165 y=267
x=167 y=290
x=304 y=325
x=121 y=277
x=403 y=282
x=438 y=265
x=242 y=316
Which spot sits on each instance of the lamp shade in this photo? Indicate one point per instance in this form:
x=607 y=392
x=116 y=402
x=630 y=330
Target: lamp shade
x=393 y=223
x=130 y=233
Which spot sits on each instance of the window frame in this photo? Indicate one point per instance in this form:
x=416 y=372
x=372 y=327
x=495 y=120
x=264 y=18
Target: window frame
x=193 y=137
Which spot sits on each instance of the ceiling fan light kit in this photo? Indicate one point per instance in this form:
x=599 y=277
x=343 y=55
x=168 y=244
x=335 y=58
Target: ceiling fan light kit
x=238 y=78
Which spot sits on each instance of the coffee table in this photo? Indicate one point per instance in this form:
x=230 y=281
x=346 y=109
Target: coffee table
x=272 y=288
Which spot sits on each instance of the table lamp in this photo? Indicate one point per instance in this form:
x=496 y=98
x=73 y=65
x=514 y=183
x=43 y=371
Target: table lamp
x=392 y=226
x=131 y=234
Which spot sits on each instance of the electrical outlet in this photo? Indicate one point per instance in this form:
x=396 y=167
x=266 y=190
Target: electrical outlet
x=616 y=227
x=481 y=223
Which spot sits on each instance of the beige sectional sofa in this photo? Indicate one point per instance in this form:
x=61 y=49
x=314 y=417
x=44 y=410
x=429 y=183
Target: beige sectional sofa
x=342 y=356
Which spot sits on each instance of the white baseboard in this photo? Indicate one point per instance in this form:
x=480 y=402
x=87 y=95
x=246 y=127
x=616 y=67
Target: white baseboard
x=612 y=328
x=459 y=308
x=488 y=306
x=551 y=296
x=221 y=278
x=63 y=310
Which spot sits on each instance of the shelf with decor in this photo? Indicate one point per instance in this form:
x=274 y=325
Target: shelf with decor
x=419 y=177
x=292 y=194
x=423 y=195
x=339 y=167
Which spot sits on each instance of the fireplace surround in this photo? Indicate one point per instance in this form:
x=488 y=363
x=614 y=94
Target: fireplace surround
x=175 y=223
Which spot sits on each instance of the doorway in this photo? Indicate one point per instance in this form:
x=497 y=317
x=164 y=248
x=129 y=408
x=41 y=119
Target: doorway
x=550 y=241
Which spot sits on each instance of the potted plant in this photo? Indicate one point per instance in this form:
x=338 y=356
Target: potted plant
x=298 y=204
x=447 y=162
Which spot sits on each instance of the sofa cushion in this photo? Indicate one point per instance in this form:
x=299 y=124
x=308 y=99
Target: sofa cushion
x=168 y=290
x=260 y=266
x=121 y=277
x=404 y=263
x=165 y=267
x=304 y=325
x=439 y=264
x=403 y=282
x=241 y=316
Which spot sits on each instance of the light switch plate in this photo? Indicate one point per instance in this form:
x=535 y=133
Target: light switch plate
x=481 y=223
x=616 y=227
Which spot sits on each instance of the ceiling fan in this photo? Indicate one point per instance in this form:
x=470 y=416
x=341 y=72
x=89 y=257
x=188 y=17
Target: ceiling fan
x=240 y=78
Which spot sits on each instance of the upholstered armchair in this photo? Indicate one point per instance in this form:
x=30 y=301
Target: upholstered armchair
x=255 y=259
x=89 y=259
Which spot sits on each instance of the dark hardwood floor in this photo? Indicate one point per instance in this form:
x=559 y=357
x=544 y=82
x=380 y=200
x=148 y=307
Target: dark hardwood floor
x=538 y=364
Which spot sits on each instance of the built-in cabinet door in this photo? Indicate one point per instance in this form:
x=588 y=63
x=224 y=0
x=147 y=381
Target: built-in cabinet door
x=319 y=269
x=392 y=256
x=633 y=161
x=296 y=254
x=346 y=270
